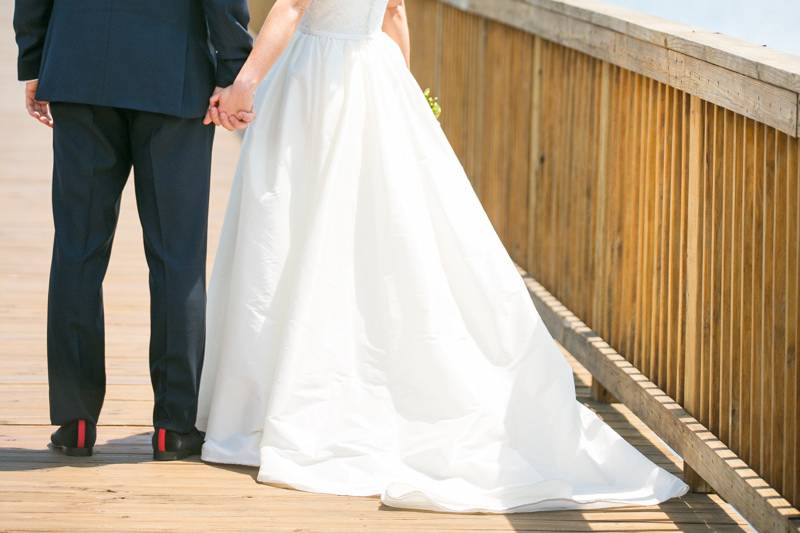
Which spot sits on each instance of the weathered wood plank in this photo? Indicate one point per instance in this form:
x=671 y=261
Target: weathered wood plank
x=750 y=59
x=739 y=91
x=752 y=98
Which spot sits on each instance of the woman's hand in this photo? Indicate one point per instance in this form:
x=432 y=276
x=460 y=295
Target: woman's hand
x=231 y=107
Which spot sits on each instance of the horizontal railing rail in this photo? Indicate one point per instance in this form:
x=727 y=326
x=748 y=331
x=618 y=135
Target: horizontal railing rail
x=754 y=81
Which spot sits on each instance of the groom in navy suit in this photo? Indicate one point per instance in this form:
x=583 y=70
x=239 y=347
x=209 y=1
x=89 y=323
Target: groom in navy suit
x=125 y=84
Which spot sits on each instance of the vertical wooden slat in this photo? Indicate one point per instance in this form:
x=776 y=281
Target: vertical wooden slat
x=737 y=301
x=518 y=102
x=693 y=290
x=726 y=310
x=706 y=254
x=655 y=225
x=775 y=475
x=601 y=199
x=554 y=85
x=643 y=271
x=601 y=192
x=683 y=178
x=622 y=105
x=536 y=155
x=792 y=433
x=493 y=190
x=768 y=297
x=566 y=184
x=673 y=255
x=587 y=121
x=632 y=230
x=660 y=294
x=747 y=311
x=569 y=259
x=791 y=426
x=716 y=268
x=620 y=198
x=756 y=349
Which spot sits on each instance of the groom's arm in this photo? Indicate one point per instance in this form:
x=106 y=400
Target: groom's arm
x=31 y=18
x=227 y=24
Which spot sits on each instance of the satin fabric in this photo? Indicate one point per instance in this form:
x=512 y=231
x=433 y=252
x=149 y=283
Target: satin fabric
x=368 y=333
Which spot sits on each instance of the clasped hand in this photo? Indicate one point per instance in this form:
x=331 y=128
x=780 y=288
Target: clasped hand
x=231 y=107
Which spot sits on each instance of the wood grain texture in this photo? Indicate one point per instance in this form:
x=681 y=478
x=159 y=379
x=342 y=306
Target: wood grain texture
x=750 y=59
x=663 y=216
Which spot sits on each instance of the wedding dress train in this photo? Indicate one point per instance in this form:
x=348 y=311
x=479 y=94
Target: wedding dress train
x=368 y=334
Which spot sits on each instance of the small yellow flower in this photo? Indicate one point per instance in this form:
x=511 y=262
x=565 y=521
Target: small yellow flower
x=433 y=101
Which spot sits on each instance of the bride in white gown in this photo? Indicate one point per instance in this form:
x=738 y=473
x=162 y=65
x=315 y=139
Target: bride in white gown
x=368 y=334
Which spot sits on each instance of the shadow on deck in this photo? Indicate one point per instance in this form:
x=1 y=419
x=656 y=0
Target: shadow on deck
x=120 y=488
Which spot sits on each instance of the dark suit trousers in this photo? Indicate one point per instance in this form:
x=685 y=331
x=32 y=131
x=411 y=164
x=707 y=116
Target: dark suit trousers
x=95 y=148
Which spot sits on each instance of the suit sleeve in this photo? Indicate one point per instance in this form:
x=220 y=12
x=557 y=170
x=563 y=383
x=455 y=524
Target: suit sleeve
x=31 y=19
x=227 y=24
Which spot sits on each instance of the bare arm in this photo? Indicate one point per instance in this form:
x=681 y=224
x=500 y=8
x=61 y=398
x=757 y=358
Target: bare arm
x=273 y=38
x=395 y=25
x=278 y=28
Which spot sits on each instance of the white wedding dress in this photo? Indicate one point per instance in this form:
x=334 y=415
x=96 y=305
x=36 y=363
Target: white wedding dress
x=368 y=334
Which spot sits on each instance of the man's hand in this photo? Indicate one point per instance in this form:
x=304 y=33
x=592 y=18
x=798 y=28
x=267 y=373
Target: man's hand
x=212 y=115
x=231 y=107
x=36 y=108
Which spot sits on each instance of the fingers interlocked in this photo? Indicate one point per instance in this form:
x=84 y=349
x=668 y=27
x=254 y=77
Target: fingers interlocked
x=220 y=111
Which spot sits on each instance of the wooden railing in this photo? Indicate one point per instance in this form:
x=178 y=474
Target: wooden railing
x=648 y=176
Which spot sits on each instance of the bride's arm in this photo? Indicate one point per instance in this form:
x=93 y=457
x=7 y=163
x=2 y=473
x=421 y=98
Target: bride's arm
x=278 y=28
x=395 y=25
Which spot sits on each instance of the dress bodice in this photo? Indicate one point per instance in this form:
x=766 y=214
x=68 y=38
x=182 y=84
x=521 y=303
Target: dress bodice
x=344 y=17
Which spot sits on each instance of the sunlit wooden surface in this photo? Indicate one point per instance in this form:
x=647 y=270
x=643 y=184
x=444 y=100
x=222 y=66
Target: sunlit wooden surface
x=120 y=488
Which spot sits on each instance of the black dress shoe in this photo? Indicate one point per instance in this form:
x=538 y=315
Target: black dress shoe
x=170 y=445
x=76 y=438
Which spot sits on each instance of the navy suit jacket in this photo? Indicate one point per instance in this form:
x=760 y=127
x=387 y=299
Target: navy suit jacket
x=147 y=55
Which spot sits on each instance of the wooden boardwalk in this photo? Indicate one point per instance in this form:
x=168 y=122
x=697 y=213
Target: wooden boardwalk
x=120 y=488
